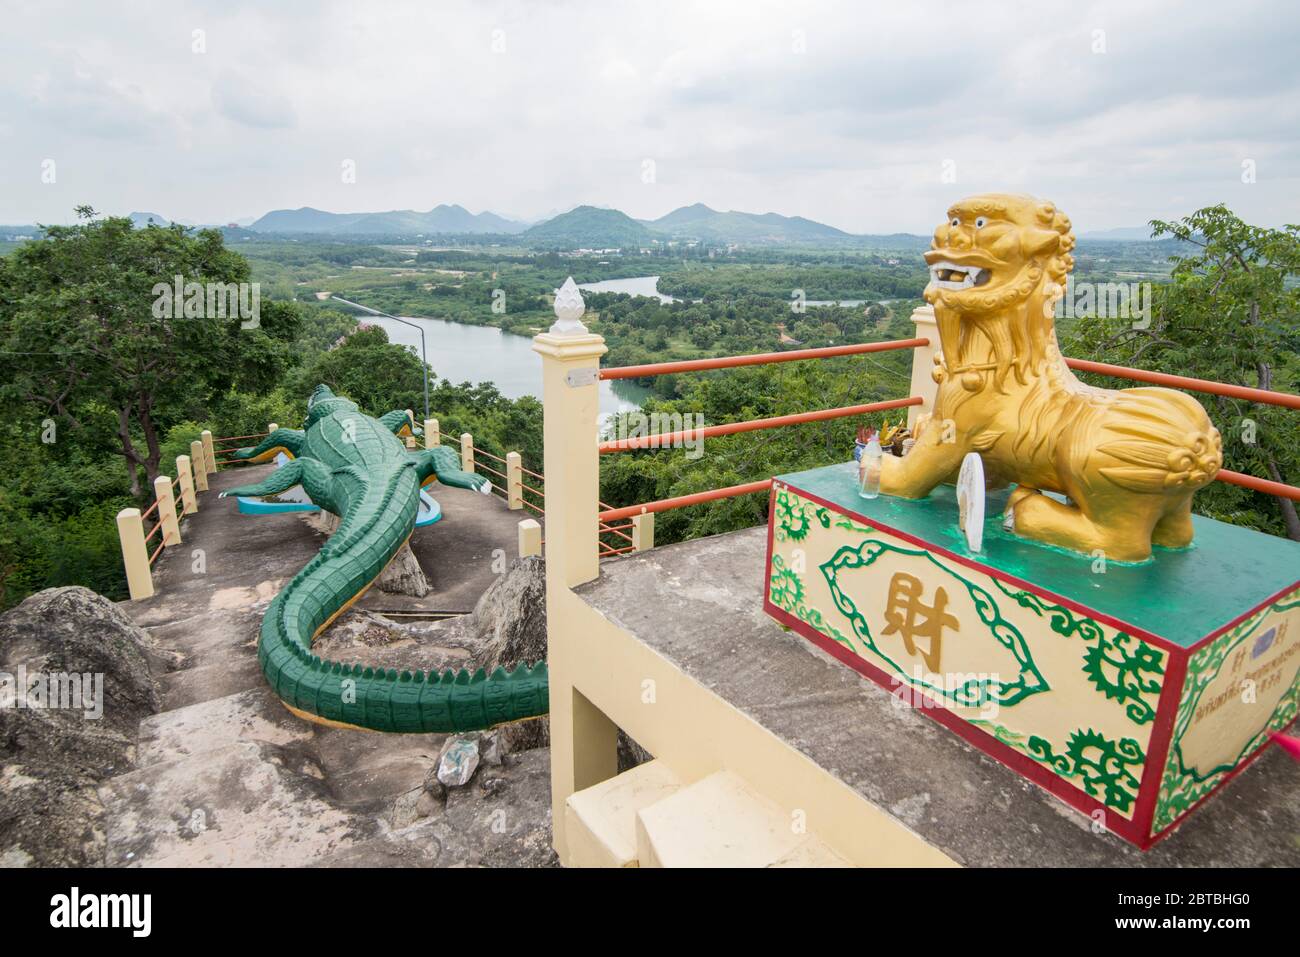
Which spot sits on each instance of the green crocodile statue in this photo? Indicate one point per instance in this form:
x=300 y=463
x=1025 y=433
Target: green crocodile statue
x=356 y=467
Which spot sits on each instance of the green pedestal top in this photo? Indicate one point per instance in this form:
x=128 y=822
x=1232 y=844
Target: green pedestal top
x=1182 y=595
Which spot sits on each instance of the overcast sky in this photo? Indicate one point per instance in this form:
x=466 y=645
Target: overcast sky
x=850 y=113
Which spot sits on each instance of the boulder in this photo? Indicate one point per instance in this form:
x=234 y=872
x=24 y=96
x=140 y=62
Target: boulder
x=403 y=575
x=458 y=760
x=509 y=624
x=75 y=681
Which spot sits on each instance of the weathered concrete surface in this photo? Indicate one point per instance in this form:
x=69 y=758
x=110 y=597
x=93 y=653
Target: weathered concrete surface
x=245 y=804
x=225 y=774
x=699 y=604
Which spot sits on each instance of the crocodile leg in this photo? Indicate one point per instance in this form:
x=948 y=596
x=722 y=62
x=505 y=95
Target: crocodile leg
x=444 y=464
x=307 y=472
x=399 y=423
x=281 y=440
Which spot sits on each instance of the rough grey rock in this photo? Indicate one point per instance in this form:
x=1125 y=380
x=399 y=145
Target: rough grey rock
x=50 y=814
x=491 y=749
x=510 y=617
x=403 y=576
x=509 y=623
x=458 y=761
x=412 y=806
x=630 y=754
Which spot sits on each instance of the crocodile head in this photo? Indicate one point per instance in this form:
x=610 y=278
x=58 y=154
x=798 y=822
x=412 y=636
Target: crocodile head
x=323 y=402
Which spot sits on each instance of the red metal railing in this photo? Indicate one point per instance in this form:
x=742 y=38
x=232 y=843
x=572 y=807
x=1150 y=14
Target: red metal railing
x=758 y=359
x=1186 y=382
x=681 y=501
x=608 y=514
x=731 y=428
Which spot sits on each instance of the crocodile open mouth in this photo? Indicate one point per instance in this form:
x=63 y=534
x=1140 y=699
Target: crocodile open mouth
x=948 y=275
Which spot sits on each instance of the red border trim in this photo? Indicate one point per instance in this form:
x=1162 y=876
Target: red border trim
x=1162 y=733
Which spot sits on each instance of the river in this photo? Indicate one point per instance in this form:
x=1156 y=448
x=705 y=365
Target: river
x=464 y=353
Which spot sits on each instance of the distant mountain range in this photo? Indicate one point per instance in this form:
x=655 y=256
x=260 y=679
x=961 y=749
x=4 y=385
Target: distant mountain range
x=398 y=222
x=702 y=223
x=584 y=227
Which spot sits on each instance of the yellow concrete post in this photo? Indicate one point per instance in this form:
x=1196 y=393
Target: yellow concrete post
x=571 y=402
x=583 y=740
x=209 y=456
x=467 y=452
x=514 y=480
x=200 y=463
x=271 y=427
x=923 y=383
x=171 y=529
x=135 y=554
x=432 y=438
x=189 y=500
x=530 y=538
x=643 y=531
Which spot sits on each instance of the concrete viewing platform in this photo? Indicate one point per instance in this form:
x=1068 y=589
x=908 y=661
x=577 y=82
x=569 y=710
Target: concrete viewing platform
x=225 y=775
x=693 y=616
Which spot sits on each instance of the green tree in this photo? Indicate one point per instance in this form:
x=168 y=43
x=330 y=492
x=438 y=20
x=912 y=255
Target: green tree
x=79 y=332
x=1230 y=313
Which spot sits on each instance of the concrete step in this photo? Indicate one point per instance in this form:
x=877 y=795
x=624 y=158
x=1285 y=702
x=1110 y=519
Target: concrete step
x=249 y=804
x=195 y=685
x=719 y=821
x=366 y=768
x=252 y=715
x=600 y=821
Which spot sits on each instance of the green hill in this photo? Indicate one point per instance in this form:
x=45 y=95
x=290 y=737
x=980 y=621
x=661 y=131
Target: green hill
x=590 y=227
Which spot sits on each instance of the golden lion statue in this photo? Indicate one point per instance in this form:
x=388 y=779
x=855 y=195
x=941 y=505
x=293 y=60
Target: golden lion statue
x=1129 y=460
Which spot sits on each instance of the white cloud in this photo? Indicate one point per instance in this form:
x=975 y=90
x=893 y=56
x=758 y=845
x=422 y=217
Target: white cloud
x=528 y=108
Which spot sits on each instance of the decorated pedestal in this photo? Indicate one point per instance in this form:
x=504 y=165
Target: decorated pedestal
x=1131 y=691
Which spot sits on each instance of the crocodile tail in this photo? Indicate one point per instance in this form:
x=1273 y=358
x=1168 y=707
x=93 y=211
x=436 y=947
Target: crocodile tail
x=1161 y=440
x=374 y=529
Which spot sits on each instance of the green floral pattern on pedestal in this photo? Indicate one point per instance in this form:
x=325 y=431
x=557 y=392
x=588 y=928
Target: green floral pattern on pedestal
x=1123 y=668
x=1098 y=764
x=786 y=591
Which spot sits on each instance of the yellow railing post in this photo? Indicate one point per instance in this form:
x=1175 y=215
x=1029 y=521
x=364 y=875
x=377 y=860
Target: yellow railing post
x=171 y=529
x=923 y=383
x=135 y=554
x=271 y=427
x=530 y=538
x=432 y=438
x=200 y=463
x=643 y=531
x=209 y=456
x=571 y=403
x=189 y=501
x=467 y=452
x=514 y=480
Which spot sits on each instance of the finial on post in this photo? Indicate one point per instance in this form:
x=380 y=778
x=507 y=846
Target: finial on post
x=569 y=308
